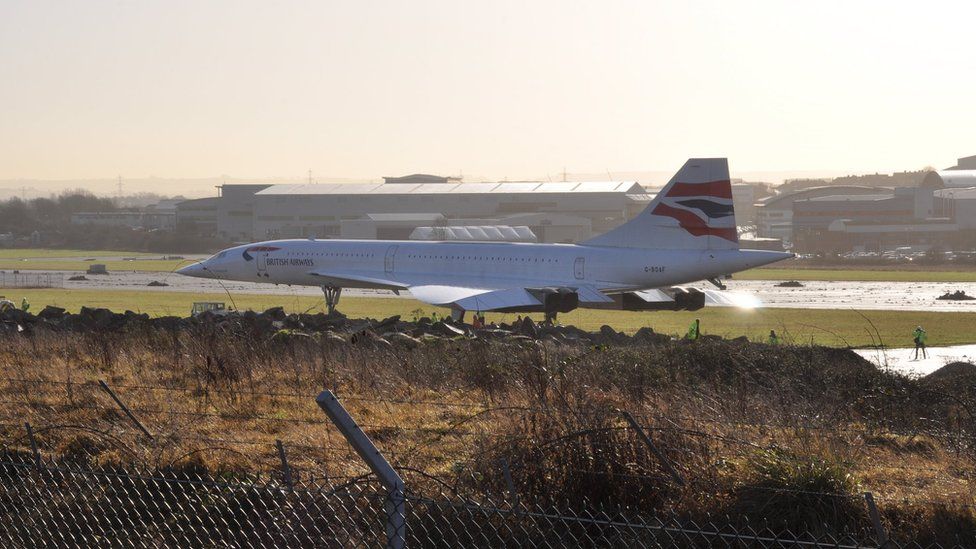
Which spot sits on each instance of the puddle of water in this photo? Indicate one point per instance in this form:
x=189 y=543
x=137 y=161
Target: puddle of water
x=902 y=359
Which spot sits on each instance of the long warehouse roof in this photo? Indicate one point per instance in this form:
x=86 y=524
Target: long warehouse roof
x=306 y=189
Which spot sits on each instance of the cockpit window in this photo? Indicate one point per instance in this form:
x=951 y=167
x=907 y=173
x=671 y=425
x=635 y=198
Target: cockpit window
x=221 y=255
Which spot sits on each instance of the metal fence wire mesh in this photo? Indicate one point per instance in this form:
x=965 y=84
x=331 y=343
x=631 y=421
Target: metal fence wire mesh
x=53 y=504
x=59 y=506
x=31 y=280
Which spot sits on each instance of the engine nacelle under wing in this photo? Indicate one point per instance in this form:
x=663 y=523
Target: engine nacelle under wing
x=556 y=300
x=672 y=299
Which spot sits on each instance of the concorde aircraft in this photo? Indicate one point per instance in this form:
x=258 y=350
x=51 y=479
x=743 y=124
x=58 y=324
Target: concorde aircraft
x=686 y=234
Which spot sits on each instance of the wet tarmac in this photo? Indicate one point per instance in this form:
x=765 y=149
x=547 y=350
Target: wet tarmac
x=901 y=296
x=902 y=359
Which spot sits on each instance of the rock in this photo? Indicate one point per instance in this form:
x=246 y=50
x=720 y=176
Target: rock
x=17 y=316
x=647 y=336
x=446 y=330
x=958 y=295
x=10 y=327
x=334 y=339
x=790 y=284
x=609 y=335
x=77 y=278
x=286 y=335
x=361 y=337
x=156 y=283
x=275 y=313
x=492 y=333
x=132 y=317
x=293 y=322
x=171 y=323
x=954 y=372
x=51 y=313
x=386 y=325
x=318 y=322
x=402 y=340
x=527 y=328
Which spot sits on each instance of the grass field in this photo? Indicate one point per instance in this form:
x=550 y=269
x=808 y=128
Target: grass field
x=142 y=265
x=75 y=260
x=42 y=253
x=828 y=327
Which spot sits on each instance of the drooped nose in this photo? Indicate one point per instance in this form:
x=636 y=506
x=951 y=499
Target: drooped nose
x=196 y=269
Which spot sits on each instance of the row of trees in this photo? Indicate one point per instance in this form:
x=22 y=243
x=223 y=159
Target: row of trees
x=23 y=217
x=51 y=217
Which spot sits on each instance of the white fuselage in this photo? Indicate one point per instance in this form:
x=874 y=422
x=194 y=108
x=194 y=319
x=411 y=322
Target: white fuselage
x=471 y=264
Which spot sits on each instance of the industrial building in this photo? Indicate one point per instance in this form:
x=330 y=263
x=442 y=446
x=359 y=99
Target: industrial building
x=198 y=215
x=937 y=210
x=565 y=211
x=774 y=214
x=138 y=219
x=235 y=211
x=959 y=205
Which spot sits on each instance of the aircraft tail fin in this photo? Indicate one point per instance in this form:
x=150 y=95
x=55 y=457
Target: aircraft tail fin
x=693 y=211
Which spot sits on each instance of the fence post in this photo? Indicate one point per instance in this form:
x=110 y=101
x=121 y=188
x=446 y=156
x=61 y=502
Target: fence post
x=876 y=519
x=395 y=504
x=125 y=408
x=285 y=469
x=507 y=473
x=650 y=444
x=33 y=443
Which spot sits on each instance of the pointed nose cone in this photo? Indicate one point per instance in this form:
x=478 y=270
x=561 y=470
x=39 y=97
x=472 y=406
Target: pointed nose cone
x=196 y=269
x=758 y=258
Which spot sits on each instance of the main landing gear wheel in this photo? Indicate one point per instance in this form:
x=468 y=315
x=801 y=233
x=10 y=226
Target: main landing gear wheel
x=332 y=294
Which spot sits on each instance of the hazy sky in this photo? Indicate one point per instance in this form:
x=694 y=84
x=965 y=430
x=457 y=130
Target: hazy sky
x=361 y=89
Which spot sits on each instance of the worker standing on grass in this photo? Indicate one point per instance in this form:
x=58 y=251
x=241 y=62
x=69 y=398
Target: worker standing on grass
x=773 y=338
x=693 y=331
x=920 y=337
x=24 y=305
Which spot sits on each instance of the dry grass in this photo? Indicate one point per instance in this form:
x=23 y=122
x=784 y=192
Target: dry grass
x=755 y=431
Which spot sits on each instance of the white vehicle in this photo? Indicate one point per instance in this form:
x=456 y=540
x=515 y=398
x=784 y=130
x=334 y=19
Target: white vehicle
x=686 y=234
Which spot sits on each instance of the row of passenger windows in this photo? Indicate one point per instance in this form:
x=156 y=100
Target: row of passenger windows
x=485 y=258
x=421 y=256
x=329 y=254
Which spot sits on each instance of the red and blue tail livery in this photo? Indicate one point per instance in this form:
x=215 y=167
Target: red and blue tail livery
x=693 y=211
x=702 y=209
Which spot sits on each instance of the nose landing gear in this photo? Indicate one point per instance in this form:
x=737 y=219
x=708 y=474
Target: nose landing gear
x=332 y=294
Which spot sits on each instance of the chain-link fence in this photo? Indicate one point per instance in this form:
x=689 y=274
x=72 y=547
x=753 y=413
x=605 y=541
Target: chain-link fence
x=155 y=473
x=56 y=504
x=31 y=280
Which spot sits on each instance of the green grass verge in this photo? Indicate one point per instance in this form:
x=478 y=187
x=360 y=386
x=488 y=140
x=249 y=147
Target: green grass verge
x=42 y=253
x=802 y=326
x=34 y=259
x=857 y=275
x=141 y=265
